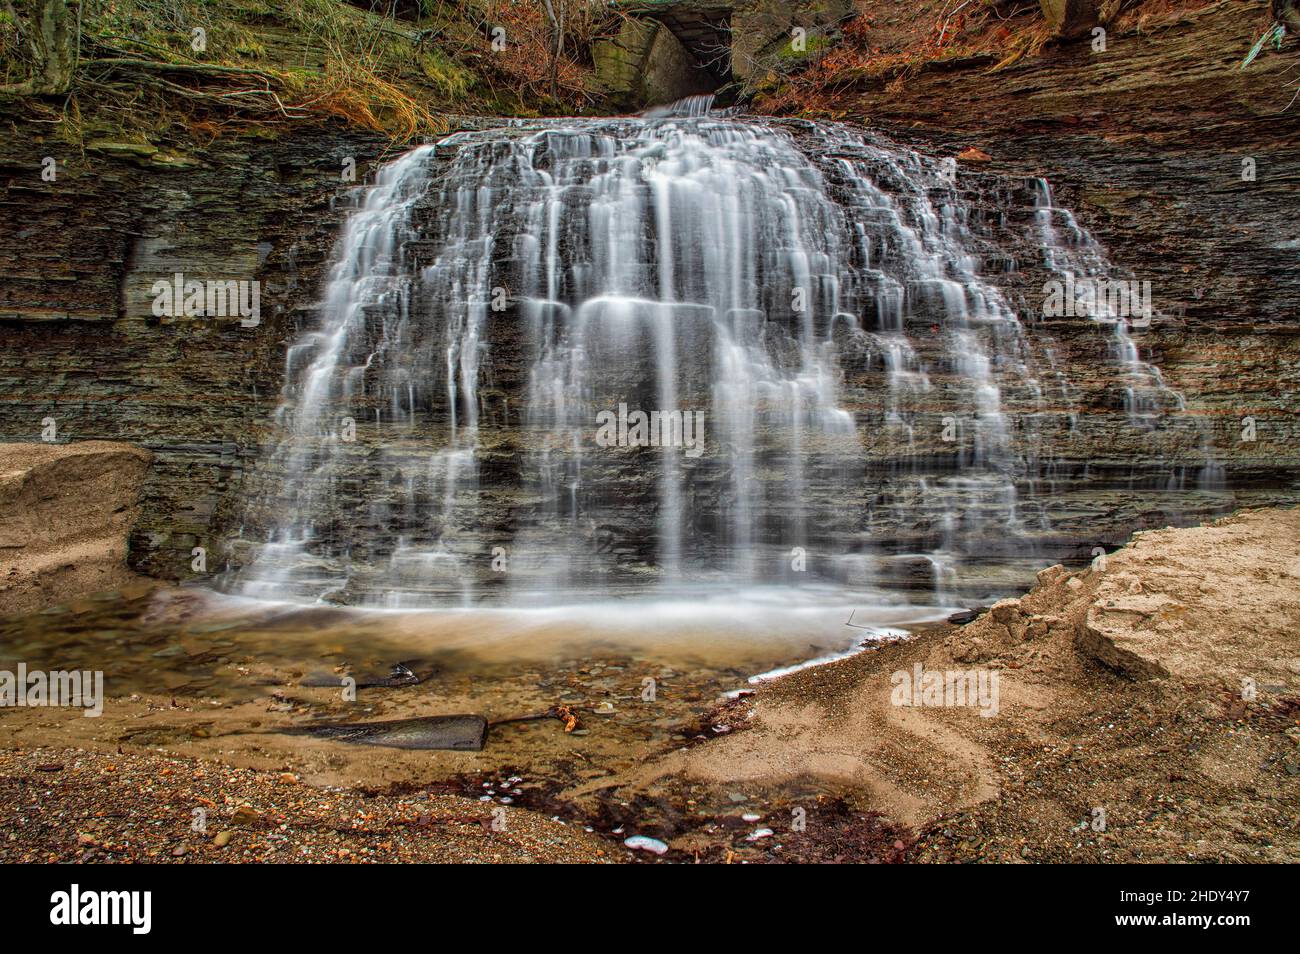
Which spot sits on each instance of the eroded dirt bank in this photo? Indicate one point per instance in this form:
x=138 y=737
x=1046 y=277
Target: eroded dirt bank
x=1146 y=709
x=1147 y=712
x=65 y=512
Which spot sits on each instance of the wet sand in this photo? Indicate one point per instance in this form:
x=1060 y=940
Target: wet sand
x=1122 y=732
x=210 y=684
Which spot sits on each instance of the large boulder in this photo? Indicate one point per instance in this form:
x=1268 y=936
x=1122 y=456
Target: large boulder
x=1216 y=604
x=65 y=512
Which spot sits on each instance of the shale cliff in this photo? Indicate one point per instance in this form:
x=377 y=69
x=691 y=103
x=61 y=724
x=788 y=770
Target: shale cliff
x=1147 y=142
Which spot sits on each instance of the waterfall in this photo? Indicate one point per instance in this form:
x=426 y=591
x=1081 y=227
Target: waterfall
x=832 y=390
x=701 y=105
x=1073 y=254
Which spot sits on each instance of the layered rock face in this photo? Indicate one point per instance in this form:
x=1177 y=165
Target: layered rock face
x=1183 y=166
x=80 y=257
x=861 y=329
x=65 y=513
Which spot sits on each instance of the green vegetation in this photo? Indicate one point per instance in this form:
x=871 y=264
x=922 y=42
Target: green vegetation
x=153 y=71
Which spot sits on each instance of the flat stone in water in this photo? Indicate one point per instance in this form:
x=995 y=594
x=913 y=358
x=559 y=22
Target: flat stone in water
x=460 y=732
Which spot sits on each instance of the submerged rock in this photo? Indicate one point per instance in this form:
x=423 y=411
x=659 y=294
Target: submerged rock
x=458 y=732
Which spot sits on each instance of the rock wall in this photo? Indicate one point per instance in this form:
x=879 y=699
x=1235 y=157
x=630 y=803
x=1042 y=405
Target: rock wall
x=645 y=65
x=79 y=257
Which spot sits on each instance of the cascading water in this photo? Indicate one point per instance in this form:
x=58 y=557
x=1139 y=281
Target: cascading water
x=1082 y=264
x=1073 y=254
x=801 y=308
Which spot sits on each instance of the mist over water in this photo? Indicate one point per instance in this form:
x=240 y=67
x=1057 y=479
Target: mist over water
x=813 y=294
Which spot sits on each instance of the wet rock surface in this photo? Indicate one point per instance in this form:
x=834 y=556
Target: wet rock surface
x=465 y=733
x=1165 y=195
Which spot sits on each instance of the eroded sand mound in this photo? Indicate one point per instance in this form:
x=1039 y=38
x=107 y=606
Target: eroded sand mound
x=65 y=511
x=1146 y=710
x=1217 y=604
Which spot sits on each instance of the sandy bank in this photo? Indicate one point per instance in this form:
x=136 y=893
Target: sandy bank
x=1145 y=709
x=65 y=511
